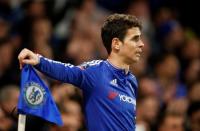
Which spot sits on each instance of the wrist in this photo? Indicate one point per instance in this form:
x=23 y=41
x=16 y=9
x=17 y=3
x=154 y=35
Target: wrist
x=38 y=58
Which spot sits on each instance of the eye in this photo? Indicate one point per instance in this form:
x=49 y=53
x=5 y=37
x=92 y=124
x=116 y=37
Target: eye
x=136 y=38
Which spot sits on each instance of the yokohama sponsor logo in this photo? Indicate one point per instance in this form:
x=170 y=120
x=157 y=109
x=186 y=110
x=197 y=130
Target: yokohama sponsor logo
x=123 y=98
x=127 y=99
x=112 y=95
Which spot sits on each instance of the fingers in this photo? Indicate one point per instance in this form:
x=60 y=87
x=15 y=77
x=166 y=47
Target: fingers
x=21 y=56
x=28 y=61
x=20 y=66
x=25 y=53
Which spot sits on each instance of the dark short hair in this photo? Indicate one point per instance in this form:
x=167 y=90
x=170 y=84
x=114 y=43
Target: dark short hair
x=116 y=26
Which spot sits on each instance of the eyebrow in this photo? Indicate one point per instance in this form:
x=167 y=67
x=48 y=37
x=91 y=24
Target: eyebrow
x=136 y=37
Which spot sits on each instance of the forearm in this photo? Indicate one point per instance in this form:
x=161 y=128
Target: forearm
x=60 y=71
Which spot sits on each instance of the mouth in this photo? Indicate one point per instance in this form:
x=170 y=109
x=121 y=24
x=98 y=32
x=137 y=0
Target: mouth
x=138 y=53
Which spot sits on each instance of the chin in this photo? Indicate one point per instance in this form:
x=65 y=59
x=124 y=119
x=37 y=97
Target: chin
x=135 y=60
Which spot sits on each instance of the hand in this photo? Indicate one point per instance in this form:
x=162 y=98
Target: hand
x=28 y=57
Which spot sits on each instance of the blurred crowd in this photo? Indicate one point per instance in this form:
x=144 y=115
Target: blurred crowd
x=69 y=31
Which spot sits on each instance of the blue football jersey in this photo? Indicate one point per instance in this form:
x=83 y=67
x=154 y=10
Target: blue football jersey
x=109 y=92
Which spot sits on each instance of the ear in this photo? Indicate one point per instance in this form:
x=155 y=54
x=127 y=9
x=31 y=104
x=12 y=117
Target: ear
x=116 y=43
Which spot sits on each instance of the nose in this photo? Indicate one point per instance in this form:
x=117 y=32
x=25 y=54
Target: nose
x=141 y=44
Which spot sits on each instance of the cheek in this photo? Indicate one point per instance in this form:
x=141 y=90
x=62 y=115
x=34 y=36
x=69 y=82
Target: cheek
x=130 y=45
x=131 y=49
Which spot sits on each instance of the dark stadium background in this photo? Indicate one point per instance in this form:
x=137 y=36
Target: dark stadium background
x=69 y=31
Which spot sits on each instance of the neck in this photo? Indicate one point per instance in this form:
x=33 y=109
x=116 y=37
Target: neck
x=116 y=61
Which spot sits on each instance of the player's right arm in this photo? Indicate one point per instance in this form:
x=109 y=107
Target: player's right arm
x=54 y=69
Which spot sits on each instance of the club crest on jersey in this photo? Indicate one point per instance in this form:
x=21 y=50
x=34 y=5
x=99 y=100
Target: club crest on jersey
x=34 y=94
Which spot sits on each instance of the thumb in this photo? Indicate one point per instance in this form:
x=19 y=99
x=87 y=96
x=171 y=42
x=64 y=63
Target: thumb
x=29 y=61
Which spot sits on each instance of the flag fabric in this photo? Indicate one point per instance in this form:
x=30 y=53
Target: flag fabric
x=35 y=97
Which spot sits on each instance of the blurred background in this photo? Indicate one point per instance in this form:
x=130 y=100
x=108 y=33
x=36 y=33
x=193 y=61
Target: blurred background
x=69 y=31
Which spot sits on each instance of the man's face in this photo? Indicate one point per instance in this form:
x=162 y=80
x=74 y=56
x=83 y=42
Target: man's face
x=131 y=47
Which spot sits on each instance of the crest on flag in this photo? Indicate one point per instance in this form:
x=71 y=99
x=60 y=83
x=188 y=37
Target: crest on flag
x=34 y=94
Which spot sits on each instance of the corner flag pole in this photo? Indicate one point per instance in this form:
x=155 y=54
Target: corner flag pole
x=21 y=122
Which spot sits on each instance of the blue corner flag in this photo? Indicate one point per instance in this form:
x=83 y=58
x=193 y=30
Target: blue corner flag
x=35 y=97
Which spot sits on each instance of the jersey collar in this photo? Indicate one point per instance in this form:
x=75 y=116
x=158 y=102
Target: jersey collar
x=117 y=69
